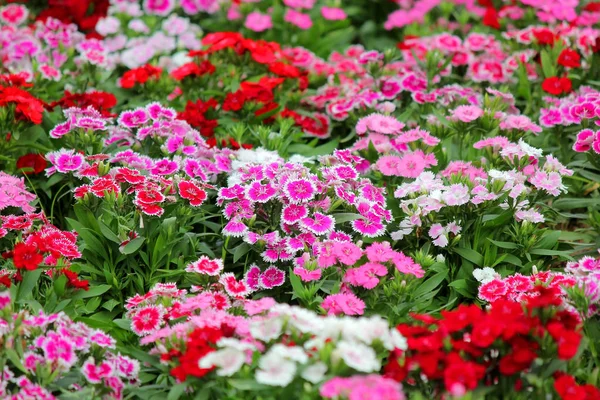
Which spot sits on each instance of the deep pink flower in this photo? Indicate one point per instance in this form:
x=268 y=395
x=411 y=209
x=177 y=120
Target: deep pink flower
x=272 y=277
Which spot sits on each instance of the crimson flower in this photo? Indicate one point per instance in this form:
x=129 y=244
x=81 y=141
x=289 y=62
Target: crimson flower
x=26 y=256
x=34 y=163
x=557 y=86
x=569 y=58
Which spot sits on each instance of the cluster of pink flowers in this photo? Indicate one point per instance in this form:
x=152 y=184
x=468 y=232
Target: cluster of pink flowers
x=429 y=193
x=297 y=13
x=47 y=46
x=219 y=291
x=304 y=199
x=362 y=387
x=152 y=182
x=586 y=271
x=579 y=107
x=52 y=347
x=13 y=193
x=400 y=153
x=482 y=56
x=134 y=40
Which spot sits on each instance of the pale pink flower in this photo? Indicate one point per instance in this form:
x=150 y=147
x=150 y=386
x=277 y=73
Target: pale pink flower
x=333 y=13
x=302 y=21
x=466 y=113
x=412 y=165
x=258 y=22
x=343 y=303
x=551 y=182
x=379 y=252
x=307 y=275
x=347 y=253
x=389 y=165
x=253 y=307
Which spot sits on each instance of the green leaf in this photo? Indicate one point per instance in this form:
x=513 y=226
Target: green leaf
x=494 y=220
x=247 y=384
x=92 y=243
x=110 y=304
x=93 y=292
x=571 y=203
x=549 y=240
x=431 y=283
x=108 y=233
x=30 y=279
x=124 y=324
x=470 y=255
x=133 y=246
x=12 y=355
x=548 y=66
x=240 y=251
x=308 y=151
x=504 y=245
x=177 y=391
x=462 y=287
x=297 y=286
x=345 y=217
x=547 y=252
x=60 y=284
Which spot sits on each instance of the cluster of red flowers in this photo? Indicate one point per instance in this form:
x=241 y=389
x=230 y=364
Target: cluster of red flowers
x=195 y=115
x=567 y=388
x=46 y=244
x=199 y=343
x=27 y=107
x=193 y=69
x=139 y=75
x=84 y=13
x=40 y=244
x=102 y=102
x=468 y=346
x=249 y=92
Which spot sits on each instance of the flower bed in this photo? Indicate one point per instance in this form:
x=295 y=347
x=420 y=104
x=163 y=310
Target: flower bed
x=303 y=199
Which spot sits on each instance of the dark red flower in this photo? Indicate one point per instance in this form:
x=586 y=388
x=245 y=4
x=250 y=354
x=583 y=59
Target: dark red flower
x=100 y=101
x=285 y=70
x=27 y=107
x=460 y=318
x=200 y=342
x=5 y=280
x=139 y=75
x=567 y=388
x=219 y=41
x=466 y=374
x=569 y=58
x=26 y=256
x=32 y=163
x=234 y=101
x=557 y=86
x=544 y=36
x=74 y=281
x=486 y=331
x=490 y=18
x=566 y=340
x=193 y=69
